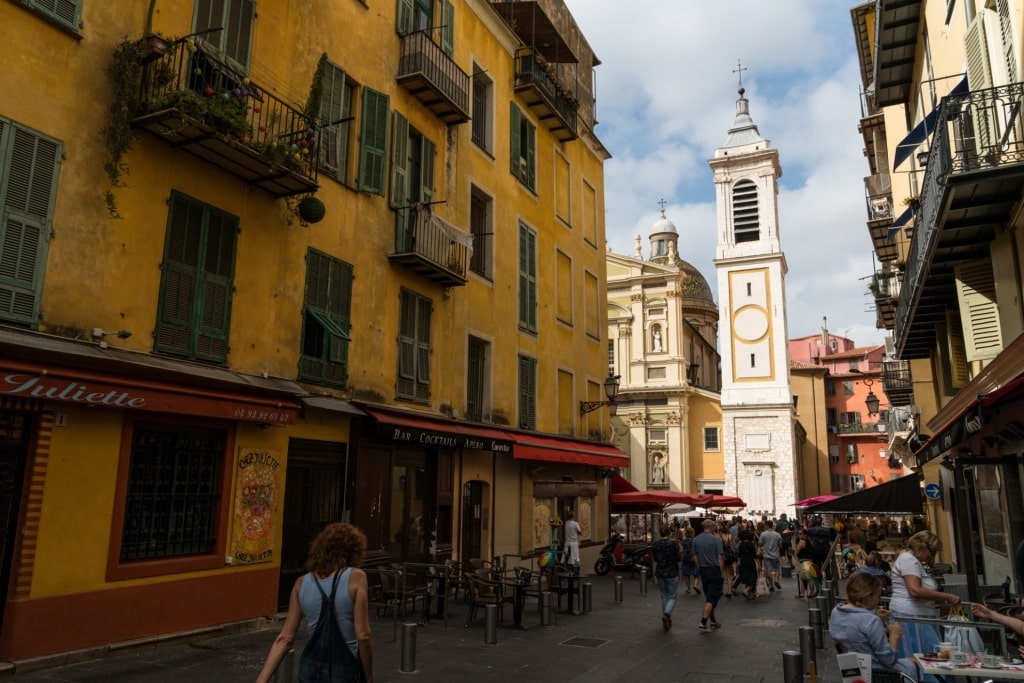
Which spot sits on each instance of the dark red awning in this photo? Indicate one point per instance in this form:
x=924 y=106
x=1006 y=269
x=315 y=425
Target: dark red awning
x=552 y=449
x=431 y=431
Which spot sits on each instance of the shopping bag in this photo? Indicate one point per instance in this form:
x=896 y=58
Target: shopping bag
x=964 y=638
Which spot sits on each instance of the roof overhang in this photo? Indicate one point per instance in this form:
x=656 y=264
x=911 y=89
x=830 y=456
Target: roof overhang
x=897 y=25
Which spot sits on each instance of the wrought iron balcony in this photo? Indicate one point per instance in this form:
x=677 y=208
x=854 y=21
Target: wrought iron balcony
x=197 y=102
x=431 y=246
x=433 y=78
x=538 y=85
x=972 y=180
x=897 y=382
x=885 y=288
x=878 y=202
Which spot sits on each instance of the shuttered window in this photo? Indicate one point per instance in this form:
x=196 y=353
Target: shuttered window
x=29 y=168
x=325 y=321
x=235 y=18
x=527 y=393
x=527 y=278
x=524 y=148
x=64 y=12
x=335 y=107
x=414 y=347
x=374 y=141
x=194 y=310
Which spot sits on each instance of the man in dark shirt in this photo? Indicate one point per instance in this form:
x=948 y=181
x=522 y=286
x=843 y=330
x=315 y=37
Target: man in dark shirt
x=710 y=556
x=666 y=571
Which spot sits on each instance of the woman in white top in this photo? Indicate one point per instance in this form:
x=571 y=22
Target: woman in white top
x=915 y=592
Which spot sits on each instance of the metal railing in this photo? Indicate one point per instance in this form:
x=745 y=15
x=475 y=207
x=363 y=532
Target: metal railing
x=421 y=55
x=982 y=129
x=430 y=237
x=531 y=69
x=879 y=206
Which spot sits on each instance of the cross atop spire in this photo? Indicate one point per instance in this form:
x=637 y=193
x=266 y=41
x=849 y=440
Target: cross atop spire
x=739 y=70
x=662 y=202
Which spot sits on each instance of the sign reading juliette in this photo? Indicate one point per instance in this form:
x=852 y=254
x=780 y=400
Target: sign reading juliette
x=256 y=488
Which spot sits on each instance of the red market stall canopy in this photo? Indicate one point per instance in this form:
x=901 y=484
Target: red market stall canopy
x=626 y=498
x=814 y=500
x=897 y=497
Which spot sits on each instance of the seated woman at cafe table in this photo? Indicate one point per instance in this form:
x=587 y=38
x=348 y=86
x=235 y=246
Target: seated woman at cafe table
x=860 y=628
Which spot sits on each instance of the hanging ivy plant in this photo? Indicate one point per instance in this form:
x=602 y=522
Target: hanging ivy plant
x=124 y=73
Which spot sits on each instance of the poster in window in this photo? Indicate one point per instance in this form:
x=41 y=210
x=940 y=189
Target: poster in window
x=989 y=504
x=257 y=485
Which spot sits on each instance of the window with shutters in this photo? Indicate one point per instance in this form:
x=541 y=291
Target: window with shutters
x=527 y=393
x=64 y=13
x=325 y=320
x=477 y=379
x=527 y=278
x=336 y=117
x=29 y=168
x=746 y=220
x=412 y=178
x=194 y=311
x=373 y=140
x=481 y=225
x=524 y=148
x=235 y=20
x=563 y=286
x=414 y=347
x=419 y=15
x=481 y=127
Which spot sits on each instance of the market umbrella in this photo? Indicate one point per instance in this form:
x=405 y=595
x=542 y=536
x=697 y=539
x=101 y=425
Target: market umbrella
x=814 y=500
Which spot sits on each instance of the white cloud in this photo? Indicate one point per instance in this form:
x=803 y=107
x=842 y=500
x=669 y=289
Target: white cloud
x=666 y=99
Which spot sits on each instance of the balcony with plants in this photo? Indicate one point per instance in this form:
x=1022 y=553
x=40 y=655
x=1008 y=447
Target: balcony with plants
x=537 y=83
x=884 y=286
x=431 y=246
x=196 y=101
x=433 y=78
x=973 y=179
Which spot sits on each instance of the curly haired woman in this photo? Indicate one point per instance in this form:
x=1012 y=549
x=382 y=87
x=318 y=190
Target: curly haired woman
x=334 y=556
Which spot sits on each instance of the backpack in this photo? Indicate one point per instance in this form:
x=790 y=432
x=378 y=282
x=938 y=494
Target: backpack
x=820 y=541
x=686 y=551
x=327 y=657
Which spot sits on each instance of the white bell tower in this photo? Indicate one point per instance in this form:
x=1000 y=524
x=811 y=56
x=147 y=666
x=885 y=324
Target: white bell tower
x=757 y=403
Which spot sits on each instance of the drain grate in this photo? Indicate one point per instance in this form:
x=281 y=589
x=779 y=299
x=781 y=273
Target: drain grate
x=584 y=642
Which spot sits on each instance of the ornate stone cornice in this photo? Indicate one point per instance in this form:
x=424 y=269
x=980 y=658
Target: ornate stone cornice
x=636 y=298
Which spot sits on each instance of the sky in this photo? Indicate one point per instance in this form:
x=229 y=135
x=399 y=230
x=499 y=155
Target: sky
x=666 y=98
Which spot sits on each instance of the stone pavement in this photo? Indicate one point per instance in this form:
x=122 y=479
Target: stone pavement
x=614 y=642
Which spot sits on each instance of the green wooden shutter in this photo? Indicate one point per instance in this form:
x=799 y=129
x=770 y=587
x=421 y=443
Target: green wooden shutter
x=399 y=161
x=332 y=108
x=210 y=14
x=217 y=278
x=527 y=393
x=979 y=310
x=374 y=139
x=179 y=288
x=423 y=311
x=530 y=143
x=406 y=384
x=447 y=27
x=238 y=31
x=404 y=17
x=65 y=11
x=428 y=155
x=527 y=278
x=515 y=117
x=29 y=169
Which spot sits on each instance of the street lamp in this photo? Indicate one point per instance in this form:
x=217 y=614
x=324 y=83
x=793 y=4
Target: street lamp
x=611 y=390
x=871 y=401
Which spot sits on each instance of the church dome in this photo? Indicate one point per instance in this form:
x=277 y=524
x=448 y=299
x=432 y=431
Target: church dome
x=663 y=224
x=691 y=283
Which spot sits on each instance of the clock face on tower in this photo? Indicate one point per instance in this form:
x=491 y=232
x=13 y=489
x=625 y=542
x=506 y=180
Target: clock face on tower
x=750 y=324
x=751 y=337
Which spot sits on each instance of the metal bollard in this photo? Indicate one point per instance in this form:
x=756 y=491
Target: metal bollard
x=490 y=624
x=408 y=648
x=545 y=608
x=814 y=616
x=286 y=670
x=643 y=580
x=586 y=602
x=807 y=649
x=823 y=603
x=618 y=589
x=792 y=667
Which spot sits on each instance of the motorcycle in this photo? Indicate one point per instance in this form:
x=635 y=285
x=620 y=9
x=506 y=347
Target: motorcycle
x=615 y=555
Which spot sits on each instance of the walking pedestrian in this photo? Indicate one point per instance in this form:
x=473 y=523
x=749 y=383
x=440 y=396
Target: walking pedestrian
x=572 y=542
x=689 y=570
x=666 y=571
x=728 y=559
x=746 y=566
x=711 y=561
x=771 y=557
x=339 y=649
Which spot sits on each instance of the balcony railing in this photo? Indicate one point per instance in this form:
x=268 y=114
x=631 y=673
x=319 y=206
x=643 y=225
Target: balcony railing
x=431 y=246
x=857 y=428
x=977 y=131
x=196 y=101
x=433 y=78
x=897 y=382
x=539 y=86
x=879 y=207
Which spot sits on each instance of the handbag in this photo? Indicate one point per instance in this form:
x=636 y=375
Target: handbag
x=964 y=638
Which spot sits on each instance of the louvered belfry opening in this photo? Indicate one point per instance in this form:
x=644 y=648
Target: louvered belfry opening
x=746 y=221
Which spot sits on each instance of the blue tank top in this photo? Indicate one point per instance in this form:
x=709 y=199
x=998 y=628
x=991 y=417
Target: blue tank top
x=310 y=600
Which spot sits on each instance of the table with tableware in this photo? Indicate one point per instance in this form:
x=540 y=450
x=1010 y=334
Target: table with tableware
x=972 y=668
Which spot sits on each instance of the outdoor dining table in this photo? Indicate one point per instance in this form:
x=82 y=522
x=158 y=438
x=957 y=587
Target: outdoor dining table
x=944 y=670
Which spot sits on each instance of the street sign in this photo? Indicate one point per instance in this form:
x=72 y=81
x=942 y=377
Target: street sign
x=933 y=491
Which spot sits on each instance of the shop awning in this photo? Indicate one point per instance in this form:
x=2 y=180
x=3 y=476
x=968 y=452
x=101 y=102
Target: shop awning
x=426 y=430
x=897 y=497
x=921 y=131
x=898 y=224
x=619 y=484
x=551 y=449
x=330 y=403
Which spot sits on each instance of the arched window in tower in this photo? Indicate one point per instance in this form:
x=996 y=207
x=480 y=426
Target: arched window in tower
x=746 y=221
x=660 y=246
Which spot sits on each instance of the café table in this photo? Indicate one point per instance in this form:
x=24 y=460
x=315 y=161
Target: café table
x=944 y=671
x=572 y=580
x=520 y=582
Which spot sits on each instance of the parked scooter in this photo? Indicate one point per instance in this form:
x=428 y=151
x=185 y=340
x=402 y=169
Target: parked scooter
x=615 y=555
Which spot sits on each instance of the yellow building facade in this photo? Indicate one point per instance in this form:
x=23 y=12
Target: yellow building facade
x=259 y=277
